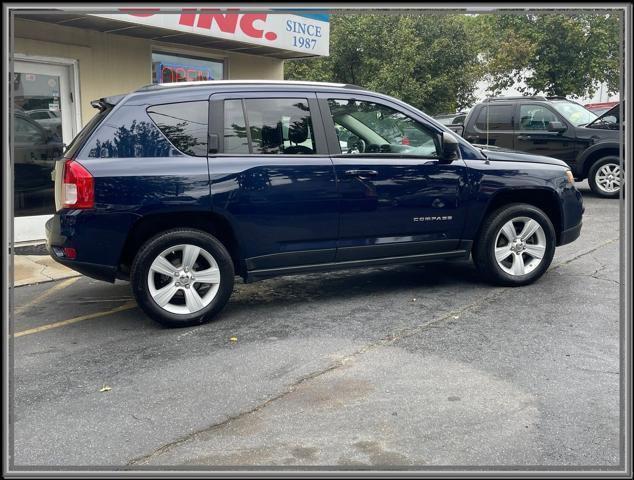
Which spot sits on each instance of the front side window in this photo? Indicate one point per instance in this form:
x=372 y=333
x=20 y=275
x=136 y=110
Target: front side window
x=536 y=117
x=369 y=127
x=281 y=126
x=184 y=124
x=495 y=117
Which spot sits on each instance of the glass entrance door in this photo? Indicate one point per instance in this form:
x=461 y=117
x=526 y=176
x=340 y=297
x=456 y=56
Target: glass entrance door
x=43 y=122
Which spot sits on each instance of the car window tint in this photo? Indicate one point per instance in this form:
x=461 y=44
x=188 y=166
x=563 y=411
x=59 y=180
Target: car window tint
x=184 y=124
x=495 y=117
x=280 y=126
x=377 y=128
x=128 y=133
x=39 y=115
x=235 y=134
x=536 y=117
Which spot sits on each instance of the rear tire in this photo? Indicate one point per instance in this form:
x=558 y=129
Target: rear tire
x=606 y=177
x=516 y=245
x=182 y=277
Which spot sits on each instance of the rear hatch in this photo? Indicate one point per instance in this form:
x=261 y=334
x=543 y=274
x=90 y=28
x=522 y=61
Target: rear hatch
x=104 y=105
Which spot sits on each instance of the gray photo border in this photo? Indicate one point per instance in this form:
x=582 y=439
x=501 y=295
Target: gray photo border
x=624 y=470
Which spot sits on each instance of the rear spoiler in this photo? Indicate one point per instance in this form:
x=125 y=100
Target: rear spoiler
x=106 y=103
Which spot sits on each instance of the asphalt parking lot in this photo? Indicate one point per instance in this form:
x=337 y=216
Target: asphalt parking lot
x=377 y=368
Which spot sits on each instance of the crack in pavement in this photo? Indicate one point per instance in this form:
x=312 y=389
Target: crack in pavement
x=383 y=341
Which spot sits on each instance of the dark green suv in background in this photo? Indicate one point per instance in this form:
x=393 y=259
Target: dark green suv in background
x=554 y=127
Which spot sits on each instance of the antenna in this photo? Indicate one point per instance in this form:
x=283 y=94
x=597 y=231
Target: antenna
x=488 y=127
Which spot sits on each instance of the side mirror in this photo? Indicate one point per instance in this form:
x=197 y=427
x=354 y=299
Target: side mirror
x=556 y=127
x=450 y=148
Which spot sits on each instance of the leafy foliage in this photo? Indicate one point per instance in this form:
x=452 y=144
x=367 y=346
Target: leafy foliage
x=433 y=61
x=425 y=60
x=556 y=54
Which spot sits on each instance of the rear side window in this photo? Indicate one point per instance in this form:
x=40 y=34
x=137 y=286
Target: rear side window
x=128 y=133
x=272 y=126
x=184 y=124
x=495 y=117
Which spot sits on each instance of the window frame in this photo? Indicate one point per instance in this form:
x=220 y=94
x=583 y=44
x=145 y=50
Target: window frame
x=331 y=134
x=217 y=116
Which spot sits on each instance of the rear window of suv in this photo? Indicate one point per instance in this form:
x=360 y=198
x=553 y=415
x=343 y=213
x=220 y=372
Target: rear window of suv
x=85 y=132
x=128 y=133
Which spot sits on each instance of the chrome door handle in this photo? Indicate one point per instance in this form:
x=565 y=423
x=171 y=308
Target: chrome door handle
x=360 y=173
x=524 y=137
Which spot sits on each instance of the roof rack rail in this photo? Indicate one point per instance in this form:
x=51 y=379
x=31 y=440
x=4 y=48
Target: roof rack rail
x=203 y=83
x=521 y=97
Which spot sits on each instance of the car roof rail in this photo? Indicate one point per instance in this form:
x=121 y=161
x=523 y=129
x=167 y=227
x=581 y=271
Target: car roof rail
x=521 y=97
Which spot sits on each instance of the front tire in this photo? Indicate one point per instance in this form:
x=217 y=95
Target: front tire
x=182 y=277
x=516 y=245
x=606 y=177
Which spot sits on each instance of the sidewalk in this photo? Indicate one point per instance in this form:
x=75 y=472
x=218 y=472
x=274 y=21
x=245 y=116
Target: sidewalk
x=30 y=269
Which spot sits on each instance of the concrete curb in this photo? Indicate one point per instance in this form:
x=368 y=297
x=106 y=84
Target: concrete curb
x=31 y=269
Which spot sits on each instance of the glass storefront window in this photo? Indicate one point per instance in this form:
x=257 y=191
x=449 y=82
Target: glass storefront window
x=168 y=68
x=37 y=130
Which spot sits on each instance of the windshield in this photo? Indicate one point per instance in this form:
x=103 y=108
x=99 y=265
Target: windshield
x=574 y=113
x=610 y=119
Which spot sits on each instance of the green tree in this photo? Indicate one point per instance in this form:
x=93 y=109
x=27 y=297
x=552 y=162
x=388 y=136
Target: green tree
x=551 y=53
x=424 y=59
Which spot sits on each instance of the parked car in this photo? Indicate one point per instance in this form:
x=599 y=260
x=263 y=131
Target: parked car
x=151 y=192
x=49 y=119
x=453 y=121
x=35 y=151
x=555 y=127
x=600 y=108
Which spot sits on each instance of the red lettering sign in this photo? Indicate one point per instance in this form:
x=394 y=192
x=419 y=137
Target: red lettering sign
x=226 y=22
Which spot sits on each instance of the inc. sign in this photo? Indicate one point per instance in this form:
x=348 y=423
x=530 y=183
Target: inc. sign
x=299 y=33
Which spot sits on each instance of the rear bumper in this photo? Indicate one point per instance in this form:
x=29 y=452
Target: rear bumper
x=56 y=240
x=570 y=235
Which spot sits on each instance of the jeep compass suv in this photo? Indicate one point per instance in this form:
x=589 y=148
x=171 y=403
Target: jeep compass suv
x=181 y=187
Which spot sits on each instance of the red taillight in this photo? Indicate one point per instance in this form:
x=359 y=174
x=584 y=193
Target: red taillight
x=78 y=188
x=70 y=253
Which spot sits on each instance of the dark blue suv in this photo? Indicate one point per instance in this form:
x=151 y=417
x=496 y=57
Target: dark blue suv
x=180 y=187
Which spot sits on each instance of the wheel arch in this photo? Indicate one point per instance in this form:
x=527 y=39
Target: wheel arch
x=545 y=199
x=594 y=153
x=153 y=224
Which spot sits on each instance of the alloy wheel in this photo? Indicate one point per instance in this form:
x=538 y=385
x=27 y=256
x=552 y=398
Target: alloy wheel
x=183 y=279
x=520 y=246
x=608 y=178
